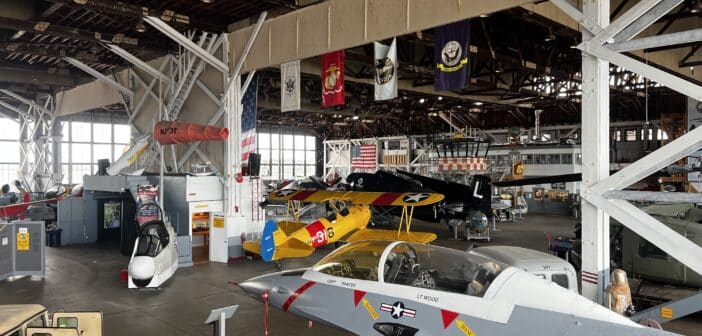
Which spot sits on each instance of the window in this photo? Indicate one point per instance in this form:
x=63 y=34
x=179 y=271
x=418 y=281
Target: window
x=84 y=143
x=618 y=136
x=630 y=135
x=561 y=280
x=662 y=135
x=567 y=158
x=293 y=157
x=67 y=322
x=10 y=159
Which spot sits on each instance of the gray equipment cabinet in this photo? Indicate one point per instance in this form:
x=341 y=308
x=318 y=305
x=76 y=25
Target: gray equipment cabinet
x=22 y=249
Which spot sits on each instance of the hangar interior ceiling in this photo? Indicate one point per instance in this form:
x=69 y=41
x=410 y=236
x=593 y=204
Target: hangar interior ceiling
x=513 y=74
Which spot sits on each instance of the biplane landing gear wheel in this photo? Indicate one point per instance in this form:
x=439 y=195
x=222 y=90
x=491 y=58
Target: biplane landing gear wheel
x=278 y=265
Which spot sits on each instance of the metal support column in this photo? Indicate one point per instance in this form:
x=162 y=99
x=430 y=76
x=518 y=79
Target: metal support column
x=595 y=119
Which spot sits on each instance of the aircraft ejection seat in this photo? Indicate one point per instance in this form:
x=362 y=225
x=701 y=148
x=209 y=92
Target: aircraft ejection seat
x=487 y=272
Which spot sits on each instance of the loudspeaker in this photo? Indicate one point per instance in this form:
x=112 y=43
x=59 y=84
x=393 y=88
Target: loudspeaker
x=254 y=164
x=102 y=165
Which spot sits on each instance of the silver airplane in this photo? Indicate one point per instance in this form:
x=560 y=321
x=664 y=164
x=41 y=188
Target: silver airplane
x=407 y=289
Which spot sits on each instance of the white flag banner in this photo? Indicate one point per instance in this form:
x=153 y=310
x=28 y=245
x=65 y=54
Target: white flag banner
x=385 y=71
x=290 y=86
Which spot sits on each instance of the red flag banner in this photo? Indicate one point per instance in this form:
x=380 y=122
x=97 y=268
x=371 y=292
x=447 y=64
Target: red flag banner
x=333 y=79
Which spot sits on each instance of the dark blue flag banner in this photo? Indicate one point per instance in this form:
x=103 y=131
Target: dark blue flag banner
x=451 y=55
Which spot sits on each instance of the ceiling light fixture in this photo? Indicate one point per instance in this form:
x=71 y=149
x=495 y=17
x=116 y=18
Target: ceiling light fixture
x=355 y=117
x=478 y=103
x=207 y=1
x=696 y=7
x=440 y=98
x=422 y=100
x=550 y=36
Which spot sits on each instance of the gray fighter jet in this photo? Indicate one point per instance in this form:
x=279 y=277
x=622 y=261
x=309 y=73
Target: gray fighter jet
x=406 y=289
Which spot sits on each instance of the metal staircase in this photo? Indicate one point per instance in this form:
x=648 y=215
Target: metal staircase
x=188 y=68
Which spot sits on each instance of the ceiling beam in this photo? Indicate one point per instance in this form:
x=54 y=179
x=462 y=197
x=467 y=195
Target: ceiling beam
x=138 y=12
x=652 y=42
x=80 y=65
x=82 y=35
x=38 y=50
x=26 y=76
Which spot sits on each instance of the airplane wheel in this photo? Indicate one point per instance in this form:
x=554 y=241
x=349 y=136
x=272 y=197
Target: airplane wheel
x=278 y=265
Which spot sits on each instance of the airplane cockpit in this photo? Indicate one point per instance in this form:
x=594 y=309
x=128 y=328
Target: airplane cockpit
x=415 y=265
x=153 y=238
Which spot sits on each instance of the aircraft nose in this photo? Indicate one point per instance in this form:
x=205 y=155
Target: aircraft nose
x=142 y=268
x=255 y=287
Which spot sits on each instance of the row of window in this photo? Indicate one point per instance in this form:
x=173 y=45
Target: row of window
x=541 y=158
x=639 y=135
x=84 y=143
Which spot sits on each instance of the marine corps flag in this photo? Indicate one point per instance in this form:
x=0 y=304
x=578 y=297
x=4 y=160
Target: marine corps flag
x=451 y=56
x=385 y=71
x=290 y=86
x=333 y=79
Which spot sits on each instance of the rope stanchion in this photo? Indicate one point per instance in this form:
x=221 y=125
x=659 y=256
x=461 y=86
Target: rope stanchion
x=264 y=296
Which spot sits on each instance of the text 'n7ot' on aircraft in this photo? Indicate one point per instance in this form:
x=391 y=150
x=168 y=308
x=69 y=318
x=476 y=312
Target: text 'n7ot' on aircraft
x=408 y=289
x=288 y=239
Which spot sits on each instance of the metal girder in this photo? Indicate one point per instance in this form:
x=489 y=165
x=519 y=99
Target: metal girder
x=80 y=65
x=651 y=229
x=595 y=224
x=138 y=11
x=186 y=43
x=646 y=20
x=229 y=85
x=654 y=196
x=25 y=101
x=13 y=109
x=657 y=160
x=626 y=19
x=567 y=7
x=138 y=63
x=670 y=80
x=83 y=35
x=684 y=37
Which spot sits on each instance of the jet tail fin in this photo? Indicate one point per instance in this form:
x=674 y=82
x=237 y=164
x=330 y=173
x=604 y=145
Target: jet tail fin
x=275 y=244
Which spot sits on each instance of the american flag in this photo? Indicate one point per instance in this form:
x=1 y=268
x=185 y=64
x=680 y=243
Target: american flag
x=363 y=157
x=248 y=122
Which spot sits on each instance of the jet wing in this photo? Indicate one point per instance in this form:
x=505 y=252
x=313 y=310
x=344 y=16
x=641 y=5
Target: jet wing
x=392 y=235
x=357 y=197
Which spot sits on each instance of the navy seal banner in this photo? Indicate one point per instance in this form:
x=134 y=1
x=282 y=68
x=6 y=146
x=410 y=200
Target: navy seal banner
x=290 y=86
x=385 y=71
x=451 y=56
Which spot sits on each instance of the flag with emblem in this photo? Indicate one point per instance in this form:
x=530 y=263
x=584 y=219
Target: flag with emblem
x=363 y=157
x=385 y=71
x=248 y=122
x=290 y=86
x=333 y=90
x=451 y=55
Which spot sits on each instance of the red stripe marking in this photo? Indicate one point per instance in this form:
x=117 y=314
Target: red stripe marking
x=302 y=195
x=387 y=198
x=297 y=293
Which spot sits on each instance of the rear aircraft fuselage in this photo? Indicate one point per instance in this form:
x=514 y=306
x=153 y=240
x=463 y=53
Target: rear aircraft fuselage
x=325 y=231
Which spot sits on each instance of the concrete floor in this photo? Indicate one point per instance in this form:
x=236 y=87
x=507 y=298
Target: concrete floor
x=87 y=278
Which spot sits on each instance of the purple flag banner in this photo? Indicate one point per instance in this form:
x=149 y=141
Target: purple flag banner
x=451 y=55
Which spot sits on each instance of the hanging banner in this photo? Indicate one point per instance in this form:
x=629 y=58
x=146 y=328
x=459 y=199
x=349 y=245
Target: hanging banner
x=386 y=71
x=451 y=56
x=290 y=86
x=333 y=90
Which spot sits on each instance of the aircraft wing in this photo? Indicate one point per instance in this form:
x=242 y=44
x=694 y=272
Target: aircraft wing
x=289 y=227
x=291 y=248
x=357 y=197
x=392 y=235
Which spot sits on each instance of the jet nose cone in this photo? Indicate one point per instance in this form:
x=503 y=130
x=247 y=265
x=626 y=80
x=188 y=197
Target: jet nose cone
x=255 y=287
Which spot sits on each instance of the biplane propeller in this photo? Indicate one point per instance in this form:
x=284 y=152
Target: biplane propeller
x=292 y=239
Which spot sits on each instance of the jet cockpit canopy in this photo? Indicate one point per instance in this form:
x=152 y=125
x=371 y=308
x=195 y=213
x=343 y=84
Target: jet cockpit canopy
x=153 y=238
x=412 y=264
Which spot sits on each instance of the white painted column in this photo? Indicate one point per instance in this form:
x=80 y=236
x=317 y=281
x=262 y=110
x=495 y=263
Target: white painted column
x=595 y=161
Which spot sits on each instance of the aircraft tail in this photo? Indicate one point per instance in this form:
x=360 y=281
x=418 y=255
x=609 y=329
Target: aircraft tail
x=275 y=244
